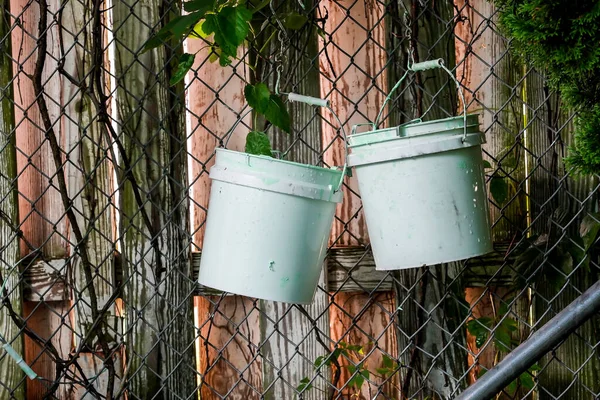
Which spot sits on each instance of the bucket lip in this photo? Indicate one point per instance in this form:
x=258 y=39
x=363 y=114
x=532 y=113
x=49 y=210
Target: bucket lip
x=400 y=150
x=278 y=160
x=407 y=130
x=324 y=186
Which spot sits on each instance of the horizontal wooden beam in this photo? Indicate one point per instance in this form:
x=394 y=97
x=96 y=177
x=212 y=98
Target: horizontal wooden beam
x=349 y=269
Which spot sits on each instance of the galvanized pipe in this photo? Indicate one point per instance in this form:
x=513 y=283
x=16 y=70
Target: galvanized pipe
x=530 y=351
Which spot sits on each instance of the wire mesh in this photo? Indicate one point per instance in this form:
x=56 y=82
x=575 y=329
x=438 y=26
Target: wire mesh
x=104 y=194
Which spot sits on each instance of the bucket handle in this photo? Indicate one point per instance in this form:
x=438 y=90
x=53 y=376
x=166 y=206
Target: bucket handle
x=424 y=66
x=313 y=101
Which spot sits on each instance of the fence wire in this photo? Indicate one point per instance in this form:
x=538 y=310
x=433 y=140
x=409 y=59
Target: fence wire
x=104 y=193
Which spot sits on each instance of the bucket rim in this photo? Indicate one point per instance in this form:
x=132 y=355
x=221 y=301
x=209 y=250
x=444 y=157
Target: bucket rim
x=404 y=131
x=333 y=169
x=323 y=188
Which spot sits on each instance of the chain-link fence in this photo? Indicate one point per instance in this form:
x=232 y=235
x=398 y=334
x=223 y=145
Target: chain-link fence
x=104 y=183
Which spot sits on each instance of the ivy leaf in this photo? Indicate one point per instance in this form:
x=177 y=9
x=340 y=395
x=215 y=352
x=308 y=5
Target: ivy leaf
x=486 y=164
x=589 y=230
x=295 y=21
x=258 y=143
x=480 y=328
x=185 y=64
x=230 y=26
x=499 y=189
x=304 y=385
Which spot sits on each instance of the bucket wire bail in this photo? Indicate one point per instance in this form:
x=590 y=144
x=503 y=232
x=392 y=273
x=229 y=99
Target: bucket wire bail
x=422 y=66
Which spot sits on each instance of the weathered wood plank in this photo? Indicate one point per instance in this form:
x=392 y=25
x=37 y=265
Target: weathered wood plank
x=41 y=214
x=154 y=206
x=11 y=377
x=89 y=177
x=215 y=102
x=51 y=321
x=89 y=171
x=366 y=320
x=349 y=269
x=230 y=361
x=353 y=78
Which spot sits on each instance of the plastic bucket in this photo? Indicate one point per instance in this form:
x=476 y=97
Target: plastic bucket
x=268 y=226
x=423 y=191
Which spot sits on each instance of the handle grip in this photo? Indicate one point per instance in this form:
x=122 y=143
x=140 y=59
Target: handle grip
x=313 y=101
x=20 y=362
x=425 y=65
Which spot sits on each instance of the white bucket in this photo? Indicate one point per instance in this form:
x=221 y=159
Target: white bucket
x=423 y=191
x=268 y=226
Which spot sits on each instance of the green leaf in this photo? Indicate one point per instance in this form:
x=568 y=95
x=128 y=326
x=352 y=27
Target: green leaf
x=258 y=97
x=502 y=338
x=258 y=143
x=589 y=230
x=486 y=164
x=199 y=5
x=295 y=21
x=499 y=189
x=185 y=64
x=480 y=328
x=319 y=362
x=387 y=362
x=511 y=388
x=526 y=380
x=304 y=385
x=230 y=26
x=262 y=101
x=359 y=374
x=174 y=29
x=277 y=114
x=354 y=347
x=260 y=5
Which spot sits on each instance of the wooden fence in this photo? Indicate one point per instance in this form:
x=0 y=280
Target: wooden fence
x=134 y=155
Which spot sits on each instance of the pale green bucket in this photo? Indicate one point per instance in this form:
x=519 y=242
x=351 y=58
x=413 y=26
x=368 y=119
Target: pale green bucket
x=423 y=191
x=268 y=226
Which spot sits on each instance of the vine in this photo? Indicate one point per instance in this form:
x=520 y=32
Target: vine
x=225 y=26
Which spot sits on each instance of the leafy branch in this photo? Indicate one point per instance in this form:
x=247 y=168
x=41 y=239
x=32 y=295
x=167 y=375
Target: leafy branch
x=225 y=26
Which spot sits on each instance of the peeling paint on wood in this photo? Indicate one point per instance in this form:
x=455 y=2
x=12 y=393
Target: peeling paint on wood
x=356 y=88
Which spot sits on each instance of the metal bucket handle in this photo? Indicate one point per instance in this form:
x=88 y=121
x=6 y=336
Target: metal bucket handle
x=313 y=101
x=424 y=66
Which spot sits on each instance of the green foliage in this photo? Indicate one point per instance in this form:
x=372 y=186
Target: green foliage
x=499 y=189
x=304 y=385
x=561 y=37
x=225 y=25
x=501 y=327
x=270 y=105
x=525 y=380
x=230 y=26
x=185 y=63
x=258 y=143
